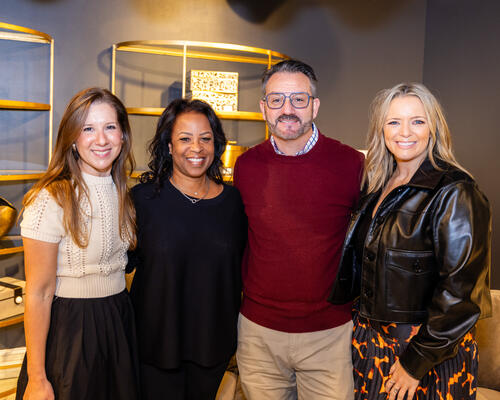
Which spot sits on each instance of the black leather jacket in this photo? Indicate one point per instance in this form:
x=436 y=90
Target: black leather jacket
x=426 y=260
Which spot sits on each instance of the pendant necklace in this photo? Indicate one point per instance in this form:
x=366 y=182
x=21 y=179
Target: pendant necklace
x=193 y=200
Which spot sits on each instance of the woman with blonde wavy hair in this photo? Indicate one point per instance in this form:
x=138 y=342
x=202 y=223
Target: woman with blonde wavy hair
x=77 y=226
x=416 y=258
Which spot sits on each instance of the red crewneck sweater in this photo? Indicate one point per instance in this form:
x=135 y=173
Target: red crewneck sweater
x=298 y=209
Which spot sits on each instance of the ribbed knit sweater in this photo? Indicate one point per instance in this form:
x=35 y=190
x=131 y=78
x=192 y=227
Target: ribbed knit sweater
x=98 y=269
x=298 y=209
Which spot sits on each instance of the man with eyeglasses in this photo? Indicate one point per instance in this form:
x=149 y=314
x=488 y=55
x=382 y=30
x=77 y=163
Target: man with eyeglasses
x=299 y=188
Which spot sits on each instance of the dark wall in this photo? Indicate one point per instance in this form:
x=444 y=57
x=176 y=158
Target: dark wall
x=462 y=66
x=357 y=47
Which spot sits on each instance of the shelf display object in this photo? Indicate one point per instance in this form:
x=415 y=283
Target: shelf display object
x=8 y=215
x=218 y=88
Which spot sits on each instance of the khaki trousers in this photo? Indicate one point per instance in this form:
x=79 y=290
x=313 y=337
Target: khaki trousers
x=276 y=365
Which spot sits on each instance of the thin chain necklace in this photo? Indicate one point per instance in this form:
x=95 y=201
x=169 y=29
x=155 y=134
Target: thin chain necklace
x=193 y=200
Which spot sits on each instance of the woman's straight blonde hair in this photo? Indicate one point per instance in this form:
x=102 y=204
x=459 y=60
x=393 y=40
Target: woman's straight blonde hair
x=63 y=178
x=380 y=163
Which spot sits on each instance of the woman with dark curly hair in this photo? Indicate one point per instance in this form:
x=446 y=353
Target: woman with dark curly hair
x=191 y=233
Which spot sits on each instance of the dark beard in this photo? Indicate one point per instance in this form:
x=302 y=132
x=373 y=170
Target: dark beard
x=303 y=128
x=288 y=117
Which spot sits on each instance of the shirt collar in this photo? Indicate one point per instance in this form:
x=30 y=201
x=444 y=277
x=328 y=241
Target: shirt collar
x=309 y=145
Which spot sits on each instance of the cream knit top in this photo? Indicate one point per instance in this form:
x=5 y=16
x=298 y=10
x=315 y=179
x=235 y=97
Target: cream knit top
x=98 y=269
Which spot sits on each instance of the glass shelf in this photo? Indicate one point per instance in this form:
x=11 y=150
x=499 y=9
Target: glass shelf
x=20 y=175
x=221 y=51
x=23 y=105
x=12 y=321
x=233 y=115
x=22 y=34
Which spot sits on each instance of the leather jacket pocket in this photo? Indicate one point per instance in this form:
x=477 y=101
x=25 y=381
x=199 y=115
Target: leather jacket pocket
x=410 y=277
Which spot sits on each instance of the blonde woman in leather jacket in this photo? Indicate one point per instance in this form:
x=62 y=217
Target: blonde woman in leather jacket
x=416 y=257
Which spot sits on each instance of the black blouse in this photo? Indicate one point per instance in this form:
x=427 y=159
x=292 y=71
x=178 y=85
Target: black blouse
x=187 y=286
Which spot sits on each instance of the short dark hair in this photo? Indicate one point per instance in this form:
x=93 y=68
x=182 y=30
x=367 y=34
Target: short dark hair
x=291 y=66
x=161 y=163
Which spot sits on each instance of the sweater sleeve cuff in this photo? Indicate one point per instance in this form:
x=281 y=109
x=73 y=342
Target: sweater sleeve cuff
x=415 y=363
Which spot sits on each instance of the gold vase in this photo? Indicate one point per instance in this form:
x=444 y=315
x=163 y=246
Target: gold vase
x=8 y=215
x=232 y=152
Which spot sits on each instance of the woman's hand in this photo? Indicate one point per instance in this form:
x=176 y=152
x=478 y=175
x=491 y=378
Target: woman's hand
x=400 y=382
x=38 y=389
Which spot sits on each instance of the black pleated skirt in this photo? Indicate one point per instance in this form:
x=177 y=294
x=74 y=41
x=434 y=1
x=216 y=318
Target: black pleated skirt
x=91 y=350
x=375 y=347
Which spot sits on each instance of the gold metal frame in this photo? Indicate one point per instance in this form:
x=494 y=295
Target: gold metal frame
x=193 y=49
x=11 y=321
x=11 y=250
x=22 y=34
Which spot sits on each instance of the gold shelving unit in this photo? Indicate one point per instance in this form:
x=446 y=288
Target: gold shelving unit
x=22 y=34
x=199 y=50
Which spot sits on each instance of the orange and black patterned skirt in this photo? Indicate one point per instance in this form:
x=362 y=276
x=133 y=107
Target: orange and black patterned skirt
x=376 y=346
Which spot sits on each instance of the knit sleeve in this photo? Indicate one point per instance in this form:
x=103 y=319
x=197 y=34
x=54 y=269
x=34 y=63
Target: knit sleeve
x=43 y=219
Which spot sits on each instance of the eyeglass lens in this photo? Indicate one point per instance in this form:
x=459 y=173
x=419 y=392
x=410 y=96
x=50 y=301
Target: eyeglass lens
x=298 y=100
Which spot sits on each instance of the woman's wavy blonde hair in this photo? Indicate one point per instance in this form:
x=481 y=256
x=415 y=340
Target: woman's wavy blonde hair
x=380 y=163
x=63 y=178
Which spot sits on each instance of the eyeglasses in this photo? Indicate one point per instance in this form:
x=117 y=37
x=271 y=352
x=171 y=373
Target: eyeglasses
x=298 y=100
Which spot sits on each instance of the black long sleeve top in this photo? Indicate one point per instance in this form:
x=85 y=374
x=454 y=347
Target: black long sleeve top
x=187 y=286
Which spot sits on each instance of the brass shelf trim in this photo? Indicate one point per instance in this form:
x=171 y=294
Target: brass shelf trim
x=10 y=366
x=16 y=175
x=11 y=250
x=23 y=105
x=167 y=47
x=12 y=321
x=7 y=393
x=233 y=115
x=241 y=115
x=137 y=174
x=14 y=249
x=20 y=33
